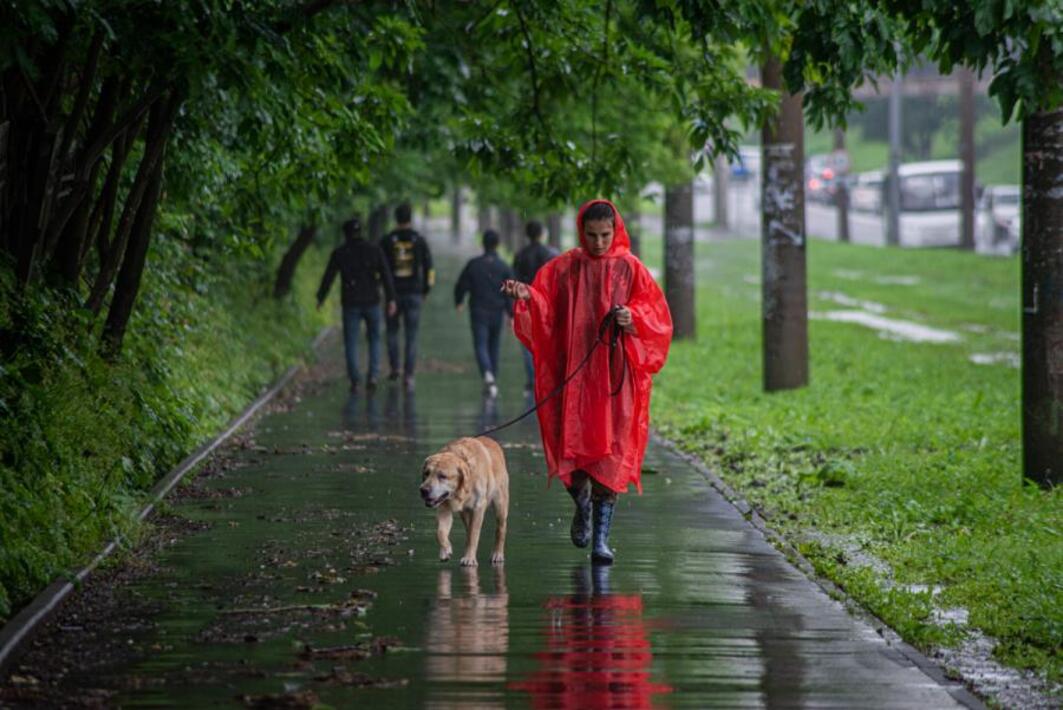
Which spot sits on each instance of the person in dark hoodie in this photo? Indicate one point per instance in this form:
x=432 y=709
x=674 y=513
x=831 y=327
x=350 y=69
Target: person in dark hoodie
x=410 y=261
x=363 y=271
x=482 y=280
x=526 y=265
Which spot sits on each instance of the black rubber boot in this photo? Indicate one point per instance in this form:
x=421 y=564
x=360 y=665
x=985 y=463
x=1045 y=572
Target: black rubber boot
x=603 y=520
x=581 y=520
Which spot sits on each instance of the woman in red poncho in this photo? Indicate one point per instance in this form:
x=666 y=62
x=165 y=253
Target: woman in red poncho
x=595 y=430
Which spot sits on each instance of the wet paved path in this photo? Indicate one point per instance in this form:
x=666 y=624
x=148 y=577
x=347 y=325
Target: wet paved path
x=699 y=610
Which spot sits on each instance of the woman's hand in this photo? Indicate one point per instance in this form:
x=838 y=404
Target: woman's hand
x=516 y=289
x=625 y=320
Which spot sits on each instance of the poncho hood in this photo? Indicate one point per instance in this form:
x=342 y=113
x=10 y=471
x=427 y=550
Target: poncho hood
x=621 y=242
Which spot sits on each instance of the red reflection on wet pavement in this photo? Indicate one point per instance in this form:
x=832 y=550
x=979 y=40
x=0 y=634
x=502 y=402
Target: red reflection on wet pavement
x=597 y=655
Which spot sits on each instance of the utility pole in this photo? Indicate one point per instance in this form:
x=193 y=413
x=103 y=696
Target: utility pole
x=721 y=173
x=893 y=180
x=1042 y=307
x=966 y=78
x=841 y=181
x=784 y=306
x=553 y=227
x=679 y=257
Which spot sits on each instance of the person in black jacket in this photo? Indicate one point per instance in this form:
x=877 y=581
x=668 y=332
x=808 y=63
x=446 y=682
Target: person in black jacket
x=482 y=280
x=363 y=271
x=410 y=262
x=526 y=265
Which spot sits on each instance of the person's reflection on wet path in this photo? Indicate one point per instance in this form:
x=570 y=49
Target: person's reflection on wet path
x=351 y=419
x=403 y=420
x=488 y=412
x=467 y=638
x=598 y=652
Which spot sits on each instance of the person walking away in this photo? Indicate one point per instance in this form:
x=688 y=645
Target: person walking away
x=363 y=272
x=595 y=429
x=525 y=266
x=482 y=280
x=410 y=261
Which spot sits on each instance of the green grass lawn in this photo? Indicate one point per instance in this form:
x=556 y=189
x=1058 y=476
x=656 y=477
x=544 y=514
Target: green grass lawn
x=903 y=452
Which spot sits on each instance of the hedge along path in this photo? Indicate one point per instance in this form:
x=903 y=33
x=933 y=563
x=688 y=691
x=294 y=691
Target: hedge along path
x=23 y=625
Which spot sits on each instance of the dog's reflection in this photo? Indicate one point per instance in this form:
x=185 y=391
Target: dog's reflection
x=598 y=652
x=468 y=633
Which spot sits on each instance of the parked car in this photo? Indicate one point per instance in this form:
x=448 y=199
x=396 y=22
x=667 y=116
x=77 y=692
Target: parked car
x=823 y=171
x=999 y=220
x=865 y=192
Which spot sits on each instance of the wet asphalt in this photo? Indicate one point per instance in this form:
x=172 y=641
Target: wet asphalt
x=317 y=579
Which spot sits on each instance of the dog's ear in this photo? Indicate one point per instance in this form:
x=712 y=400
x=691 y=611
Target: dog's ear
x=463 y=476
x=427 y=466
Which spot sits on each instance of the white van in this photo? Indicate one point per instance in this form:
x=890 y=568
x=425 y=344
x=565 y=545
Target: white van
x=930 y=204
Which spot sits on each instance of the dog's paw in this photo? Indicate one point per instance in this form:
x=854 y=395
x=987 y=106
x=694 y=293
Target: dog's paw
x=498 y=558
x=444 y=555
x=469 y=561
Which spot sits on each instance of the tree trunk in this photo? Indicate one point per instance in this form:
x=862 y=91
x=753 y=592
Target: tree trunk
x=721 y=173
x=103 y=213
x=1042 y=284
x=553 y=227
x=510 y=226
x=127 y=285
x=286 y=271
x=455 y=214
x=378 y=222
x=160 y=121
x=70 y=230
x=966 y=77
x=841 y=181
x=483 y=215
x=679 y=257
x=784 y=307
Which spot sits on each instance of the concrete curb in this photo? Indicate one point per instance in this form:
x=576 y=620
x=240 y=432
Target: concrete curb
x=959 y=692
x=21 y=628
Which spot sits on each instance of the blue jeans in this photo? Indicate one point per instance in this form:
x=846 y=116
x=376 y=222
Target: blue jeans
x=486 y=338
x=409 y=312
x=352 y=317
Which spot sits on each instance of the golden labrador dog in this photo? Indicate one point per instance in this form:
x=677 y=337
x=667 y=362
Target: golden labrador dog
x=466 y=476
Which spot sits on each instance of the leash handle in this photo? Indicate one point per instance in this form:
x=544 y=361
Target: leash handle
x=615 y=338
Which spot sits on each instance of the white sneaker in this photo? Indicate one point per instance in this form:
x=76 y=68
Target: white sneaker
x=492 y=391
x=490 y=388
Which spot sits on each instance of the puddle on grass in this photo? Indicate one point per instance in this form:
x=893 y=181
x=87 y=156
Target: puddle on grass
x=885 y=279
x=1003 y=358
x=890 y=327
x=844 y=300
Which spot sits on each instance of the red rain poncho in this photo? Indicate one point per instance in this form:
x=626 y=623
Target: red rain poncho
x=585 y=427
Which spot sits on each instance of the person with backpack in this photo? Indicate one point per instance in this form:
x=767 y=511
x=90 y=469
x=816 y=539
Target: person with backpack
x=410 y=261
